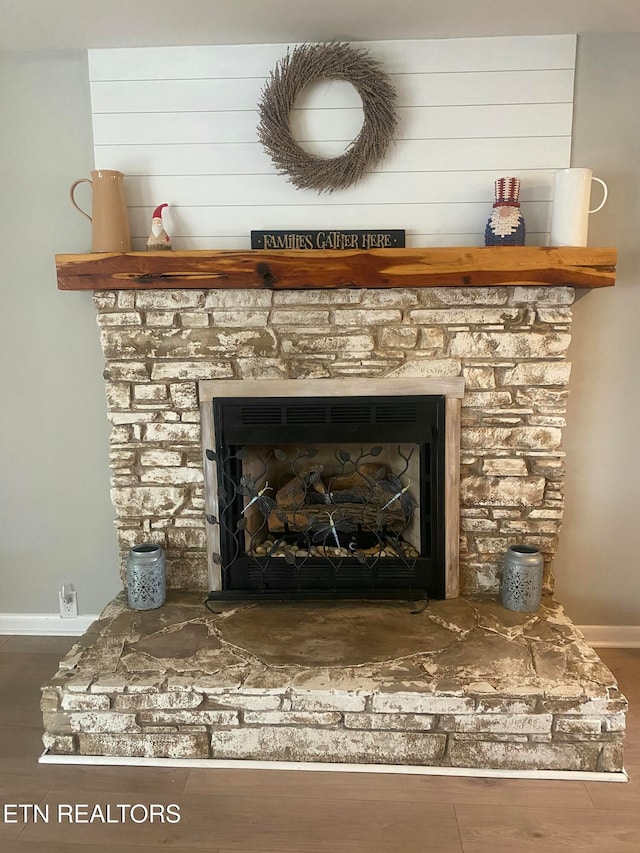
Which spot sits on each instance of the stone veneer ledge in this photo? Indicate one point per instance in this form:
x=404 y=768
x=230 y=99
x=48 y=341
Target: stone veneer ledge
x=508 y=343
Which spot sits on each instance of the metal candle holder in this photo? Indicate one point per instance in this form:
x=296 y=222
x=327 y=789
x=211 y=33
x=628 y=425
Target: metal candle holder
x=522 y=578
x=146 y=576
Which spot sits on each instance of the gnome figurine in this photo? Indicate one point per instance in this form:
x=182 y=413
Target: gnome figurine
x=506 y=223
x=158 y=239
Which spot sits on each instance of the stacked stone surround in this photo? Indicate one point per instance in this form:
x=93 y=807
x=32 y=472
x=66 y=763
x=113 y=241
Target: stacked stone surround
x=481 y=688
x=509 y=343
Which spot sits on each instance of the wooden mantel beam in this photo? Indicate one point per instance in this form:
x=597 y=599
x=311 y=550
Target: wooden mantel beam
x=318 y=269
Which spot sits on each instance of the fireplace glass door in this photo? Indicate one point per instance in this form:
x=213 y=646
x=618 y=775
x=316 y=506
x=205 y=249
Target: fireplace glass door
x=329 y=497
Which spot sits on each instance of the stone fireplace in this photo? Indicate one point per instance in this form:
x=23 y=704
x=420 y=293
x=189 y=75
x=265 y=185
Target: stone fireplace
x=469 y=685
x=508 y=344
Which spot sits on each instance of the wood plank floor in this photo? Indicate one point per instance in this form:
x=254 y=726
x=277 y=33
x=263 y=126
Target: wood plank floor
x=241 y=811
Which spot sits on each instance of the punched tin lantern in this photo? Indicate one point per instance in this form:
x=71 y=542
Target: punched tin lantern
x=522 y=578
x=146 y=576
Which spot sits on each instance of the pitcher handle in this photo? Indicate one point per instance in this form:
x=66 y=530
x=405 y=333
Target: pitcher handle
x=73 y=201
x=606 y=193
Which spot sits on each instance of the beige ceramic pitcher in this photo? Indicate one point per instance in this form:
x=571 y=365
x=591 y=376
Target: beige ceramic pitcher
x=110 y=227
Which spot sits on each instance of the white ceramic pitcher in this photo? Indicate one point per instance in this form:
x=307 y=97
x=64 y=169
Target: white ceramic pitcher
x=570 y=210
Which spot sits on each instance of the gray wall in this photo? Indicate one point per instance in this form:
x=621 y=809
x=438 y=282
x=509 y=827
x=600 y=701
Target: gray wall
x=56 y=518
x=597 y=569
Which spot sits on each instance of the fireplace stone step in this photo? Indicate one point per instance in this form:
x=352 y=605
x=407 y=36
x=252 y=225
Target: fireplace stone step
x=463 y=684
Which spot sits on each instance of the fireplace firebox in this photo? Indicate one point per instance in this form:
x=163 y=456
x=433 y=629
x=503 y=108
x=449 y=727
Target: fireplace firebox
x=329 y=497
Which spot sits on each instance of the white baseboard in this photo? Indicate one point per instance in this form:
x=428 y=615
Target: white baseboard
x=319 y=767
x=45 y=624
x=612 y=636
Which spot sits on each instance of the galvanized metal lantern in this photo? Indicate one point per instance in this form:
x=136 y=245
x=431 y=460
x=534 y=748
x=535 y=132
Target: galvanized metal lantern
x=522 y=578
x=146 y=576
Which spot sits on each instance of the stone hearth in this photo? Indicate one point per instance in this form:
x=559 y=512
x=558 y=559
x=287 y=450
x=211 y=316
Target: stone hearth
x=463 y=684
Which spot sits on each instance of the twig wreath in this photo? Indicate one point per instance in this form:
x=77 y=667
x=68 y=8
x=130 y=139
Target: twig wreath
x=337 y=61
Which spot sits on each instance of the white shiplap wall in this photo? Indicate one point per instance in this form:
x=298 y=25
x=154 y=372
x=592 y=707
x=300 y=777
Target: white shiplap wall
x=180 y=122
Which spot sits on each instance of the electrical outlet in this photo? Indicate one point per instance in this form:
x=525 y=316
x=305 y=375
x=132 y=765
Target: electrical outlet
x=68 y=599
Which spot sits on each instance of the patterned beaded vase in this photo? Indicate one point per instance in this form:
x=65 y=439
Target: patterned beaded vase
x=506 y=223
x=522 y=579
x=146 y=577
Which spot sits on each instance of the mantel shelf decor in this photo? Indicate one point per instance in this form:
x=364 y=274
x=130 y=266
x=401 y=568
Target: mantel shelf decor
x=315 y=269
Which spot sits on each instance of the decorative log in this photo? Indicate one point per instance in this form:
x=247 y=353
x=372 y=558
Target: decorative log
x=295 y=491
x=308 y=487
x=316 y=268
x=370 y=515
x=363 y=478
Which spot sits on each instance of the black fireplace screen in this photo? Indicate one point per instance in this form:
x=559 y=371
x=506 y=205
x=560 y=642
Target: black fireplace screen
x=329 y=497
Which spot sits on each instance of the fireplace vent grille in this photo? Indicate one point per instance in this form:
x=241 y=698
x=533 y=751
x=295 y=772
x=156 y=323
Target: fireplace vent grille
x=311 y=413
x=352 y=414
x=395 y=414
x=254 y=415
x=318 y=578
x=304 y=414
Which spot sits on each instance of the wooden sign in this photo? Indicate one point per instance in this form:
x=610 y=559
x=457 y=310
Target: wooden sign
x=327 y=240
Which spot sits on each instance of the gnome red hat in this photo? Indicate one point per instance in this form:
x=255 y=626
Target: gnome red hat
x=158 y=239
